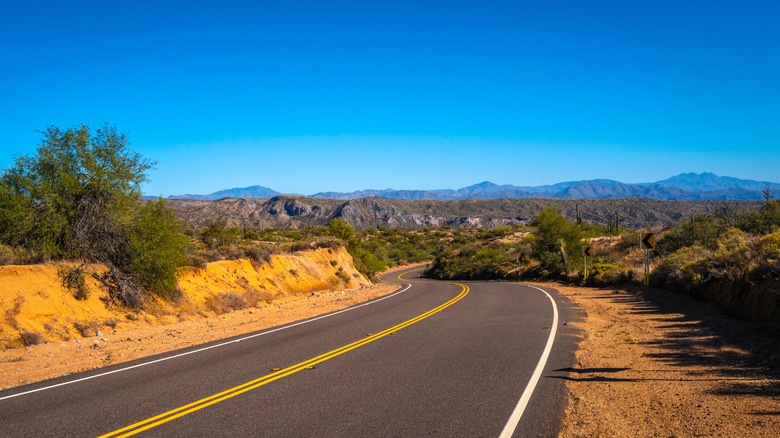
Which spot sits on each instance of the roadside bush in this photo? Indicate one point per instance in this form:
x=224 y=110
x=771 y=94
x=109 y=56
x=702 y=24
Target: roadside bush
x=686 y=269
x=554 y=235
x=159 y=248
x=770 y=245
x=258 y=254
x=701 y=231
x=609 y=274
x=343 y=276
x=74 y=281
x=226 y=302
x=31 y=338
x=78 y=198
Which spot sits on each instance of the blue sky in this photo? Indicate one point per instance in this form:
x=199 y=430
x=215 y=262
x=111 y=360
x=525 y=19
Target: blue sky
x=305 y=97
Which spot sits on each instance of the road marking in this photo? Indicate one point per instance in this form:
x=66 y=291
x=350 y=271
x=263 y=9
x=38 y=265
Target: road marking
x=511 y=425
x=248 y=386
x=328 y=315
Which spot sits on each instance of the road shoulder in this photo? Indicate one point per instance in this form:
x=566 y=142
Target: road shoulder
x=654 y=363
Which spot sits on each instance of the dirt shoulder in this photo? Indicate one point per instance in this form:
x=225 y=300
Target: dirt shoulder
x=656 y=364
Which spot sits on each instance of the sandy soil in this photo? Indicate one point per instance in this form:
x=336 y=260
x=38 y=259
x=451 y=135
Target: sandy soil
x=52 y=359
x=656 y=364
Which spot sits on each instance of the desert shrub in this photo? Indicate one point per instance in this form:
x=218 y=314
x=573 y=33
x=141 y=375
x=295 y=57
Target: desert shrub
x=31 y=338
x=608 y=274
x=300 y=246
x=86 y=329
x=473 y=262
x=701 y=231
x=341 y=229
x=734 y=254
x=75 y=281
x=556 y=234
x=770 y=245
x=328 y=242
x=258 y=254
x=628 y=240
x=198 y=262
x=759 y=222
x=343 y=276
x=686 y=269
x=226 y=302
x=334 y=281
x=158 y=248
x=217 y=234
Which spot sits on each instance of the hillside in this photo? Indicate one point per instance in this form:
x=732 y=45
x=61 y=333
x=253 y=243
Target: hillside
x=297 y=211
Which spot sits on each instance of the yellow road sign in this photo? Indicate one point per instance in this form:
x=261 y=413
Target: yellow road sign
x=647 y=240
x=586 y=251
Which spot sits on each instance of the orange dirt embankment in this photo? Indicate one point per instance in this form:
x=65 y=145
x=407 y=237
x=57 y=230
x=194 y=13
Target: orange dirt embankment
x=35 y=307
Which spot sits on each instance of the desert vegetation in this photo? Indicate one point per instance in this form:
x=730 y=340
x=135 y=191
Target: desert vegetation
x=373 y=249
x=732 y=256
x=77 y=198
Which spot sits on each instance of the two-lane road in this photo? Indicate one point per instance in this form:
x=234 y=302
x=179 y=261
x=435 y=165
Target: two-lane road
x=434 y=359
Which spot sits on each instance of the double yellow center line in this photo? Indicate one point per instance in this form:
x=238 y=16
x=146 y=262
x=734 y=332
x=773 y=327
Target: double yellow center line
x=248 y=386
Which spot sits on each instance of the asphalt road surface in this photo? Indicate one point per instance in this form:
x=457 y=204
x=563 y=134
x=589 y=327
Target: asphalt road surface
x=477 y=359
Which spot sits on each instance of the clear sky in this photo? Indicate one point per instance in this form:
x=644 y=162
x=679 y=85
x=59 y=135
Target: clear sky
x=317 y=96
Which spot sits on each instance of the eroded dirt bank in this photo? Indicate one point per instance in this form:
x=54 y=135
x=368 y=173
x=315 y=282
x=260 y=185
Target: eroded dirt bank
x=656 y=364
x=35 y=307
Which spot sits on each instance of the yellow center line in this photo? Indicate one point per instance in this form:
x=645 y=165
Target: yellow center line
x=253 y=384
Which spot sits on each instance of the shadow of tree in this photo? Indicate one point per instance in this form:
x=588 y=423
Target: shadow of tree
x=744 y=355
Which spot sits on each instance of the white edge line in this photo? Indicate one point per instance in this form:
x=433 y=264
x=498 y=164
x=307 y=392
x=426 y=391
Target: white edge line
x=208 y=348
x=514 y=419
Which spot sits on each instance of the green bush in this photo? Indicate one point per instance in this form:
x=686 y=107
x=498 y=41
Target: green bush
x=555 y=234
x=701 y=231
x=217 y=234
x=158 y=248
x=609 y=274
x=78 y=198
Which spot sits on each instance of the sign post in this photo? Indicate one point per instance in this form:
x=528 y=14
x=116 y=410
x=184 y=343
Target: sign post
x=585 y=255
x=647 y=242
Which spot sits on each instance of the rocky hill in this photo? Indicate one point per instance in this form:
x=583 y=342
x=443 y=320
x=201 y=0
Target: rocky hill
x=297 y=211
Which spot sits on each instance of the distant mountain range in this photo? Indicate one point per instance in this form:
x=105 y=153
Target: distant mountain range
x=683 y=187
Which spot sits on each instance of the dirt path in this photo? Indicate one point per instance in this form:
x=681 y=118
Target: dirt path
x=656 y=364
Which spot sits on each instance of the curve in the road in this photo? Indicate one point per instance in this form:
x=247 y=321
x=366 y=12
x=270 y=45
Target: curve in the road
x=253 y=384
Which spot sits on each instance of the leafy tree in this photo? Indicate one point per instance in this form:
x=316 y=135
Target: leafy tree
x=78 y=198
x=557 y=240
x=71 y=198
